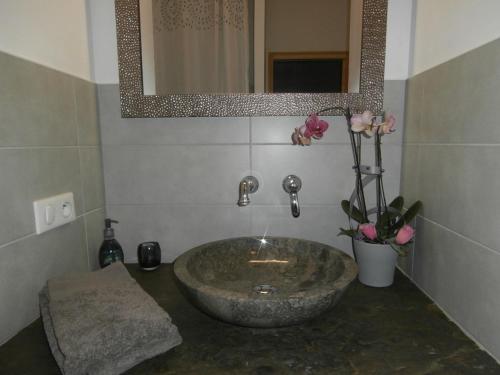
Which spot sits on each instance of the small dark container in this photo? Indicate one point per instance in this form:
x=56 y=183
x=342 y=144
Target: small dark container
x=149 y=255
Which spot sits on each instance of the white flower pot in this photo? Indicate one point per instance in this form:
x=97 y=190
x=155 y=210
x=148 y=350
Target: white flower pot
x=376 y=263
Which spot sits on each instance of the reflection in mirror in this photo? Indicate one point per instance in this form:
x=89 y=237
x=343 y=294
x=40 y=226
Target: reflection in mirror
x=250 y=46
x=134 y=103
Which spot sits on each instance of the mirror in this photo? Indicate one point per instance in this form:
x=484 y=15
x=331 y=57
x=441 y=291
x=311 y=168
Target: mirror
x=250 y=46
x=275 y=76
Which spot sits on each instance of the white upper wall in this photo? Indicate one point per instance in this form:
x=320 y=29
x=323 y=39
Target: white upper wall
x=398 y=39
x=56 y=33
x=445 y=29
x=103 y=40
x=51 y=33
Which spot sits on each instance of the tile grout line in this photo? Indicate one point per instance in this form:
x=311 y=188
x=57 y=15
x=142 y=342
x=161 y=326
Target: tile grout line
x=80 y=164
x=75 y=116
x=84 y=207
x=32 y=234
x=173 y=144
x=225 y=205
x=100 y=127
x=86 y=242
x=91 y=211
x=17 y=240
x=45 y=147
x=460 y=235
x=222 y=144
x=324 y=144
x=250 y=139
x=250 y=151
x=452 y=144
x=452 y=319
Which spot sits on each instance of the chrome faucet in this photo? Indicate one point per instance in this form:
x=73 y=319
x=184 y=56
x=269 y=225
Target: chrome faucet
x=292 y=185
x=248 y=185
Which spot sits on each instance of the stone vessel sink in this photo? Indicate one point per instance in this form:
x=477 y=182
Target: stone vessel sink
x=271 y=282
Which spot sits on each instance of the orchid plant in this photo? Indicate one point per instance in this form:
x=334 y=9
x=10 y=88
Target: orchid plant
x=392 y=224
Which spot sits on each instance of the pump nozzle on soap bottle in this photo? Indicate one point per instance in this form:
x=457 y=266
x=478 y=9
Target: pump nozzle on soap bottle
x=110 y=250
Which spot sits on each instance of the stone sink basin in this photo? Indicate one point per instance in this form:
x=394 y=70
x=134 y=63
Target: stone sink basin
x=271 y=282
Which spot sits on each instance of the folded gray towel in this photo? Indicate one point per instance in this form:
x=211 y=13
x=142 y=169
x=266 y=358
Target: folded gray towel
x=103 y=322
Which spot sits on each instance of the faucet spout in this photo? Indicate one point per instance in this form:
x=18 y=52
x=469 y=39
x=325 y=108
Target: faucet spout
x=248 y=185
x=294 y=203
x=243 y=196
x=292 y=185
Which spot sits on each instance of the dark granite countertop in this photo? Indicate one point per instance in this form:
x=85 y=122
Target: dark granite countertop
x=371 y=331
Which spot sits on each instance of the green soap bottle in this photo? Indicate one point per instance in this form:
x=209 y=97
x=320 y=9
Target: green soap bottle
x=110 y=250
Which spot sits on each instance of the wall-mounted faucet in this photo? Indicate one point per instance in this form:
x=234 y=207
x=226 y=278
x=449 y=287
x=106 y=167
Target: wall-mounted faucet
x=248 y=185
x=292 y=185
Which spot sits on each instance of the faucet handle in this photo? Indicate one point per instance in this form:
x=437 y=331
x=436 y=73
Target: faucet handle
x=292 y=184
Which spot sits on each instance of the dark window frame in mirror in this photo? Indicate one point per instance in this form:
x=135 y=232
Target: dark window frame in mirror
x=135 y=104
x=306 y=69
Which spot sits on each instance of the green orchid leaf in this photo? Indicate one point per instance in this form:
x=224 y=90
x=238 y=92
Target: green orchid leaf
x=394 y=214
x=383 y=225
x=409 y=215
x=397 y=203
x=347 y=232
x=412 y=211
x=355 y=213
x=398 y=225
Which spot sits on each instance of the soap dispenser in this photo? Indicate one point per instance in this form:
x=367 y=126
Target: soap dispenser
x=110 y=250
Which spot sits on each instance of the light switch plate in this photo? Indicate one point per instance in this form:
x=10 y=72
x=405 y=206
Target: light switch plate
x=53 y=212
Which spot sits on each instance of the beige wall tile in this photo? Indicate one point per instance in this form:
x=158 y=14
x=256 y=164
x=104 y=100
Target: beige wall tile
x=92 y=178
x=31 y=174
x=451 y=163
x=25 y=267
x=174 y=174
x=94 y=226
x=37 y=106
x=457 y=185
x=39 y=157
x=176 y=228
x=86 y=112
x=462 y=277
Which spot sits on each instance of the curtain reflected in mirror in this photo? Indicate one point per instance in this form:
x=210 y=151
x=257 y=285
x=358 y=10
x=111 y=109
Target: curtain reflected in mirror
x=250 y=46
x=200 y=46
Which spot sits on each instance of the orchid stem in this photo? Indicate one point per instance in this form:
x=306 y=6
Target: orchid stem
x=356 y=151
x=356 y=138
x=378 y=163
x=344 y=110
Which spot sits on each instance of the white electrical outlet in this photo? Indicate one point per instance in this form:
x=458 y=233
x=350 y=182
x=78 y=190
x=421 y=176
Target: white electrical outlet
x=53 y=212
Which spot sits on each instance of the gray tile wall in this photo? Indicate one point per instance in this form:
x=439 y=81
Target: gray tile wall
x=450 y=162
x=49 y=144
x=176 y=180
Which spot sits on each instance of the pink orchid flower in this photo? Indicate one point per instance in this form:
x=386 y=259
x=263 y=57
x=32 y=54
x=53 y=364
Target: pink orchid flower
x=387 y=127
x=368 y=230
x=298 y=137
x=367 y=117
x=405 y=234
x=314 y=127
x=295 y=136
x=363 y=123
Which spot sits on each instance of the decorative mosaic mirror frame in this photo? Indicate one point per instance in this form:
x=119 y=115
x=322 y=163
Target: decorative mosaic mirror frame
x=135 y=104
